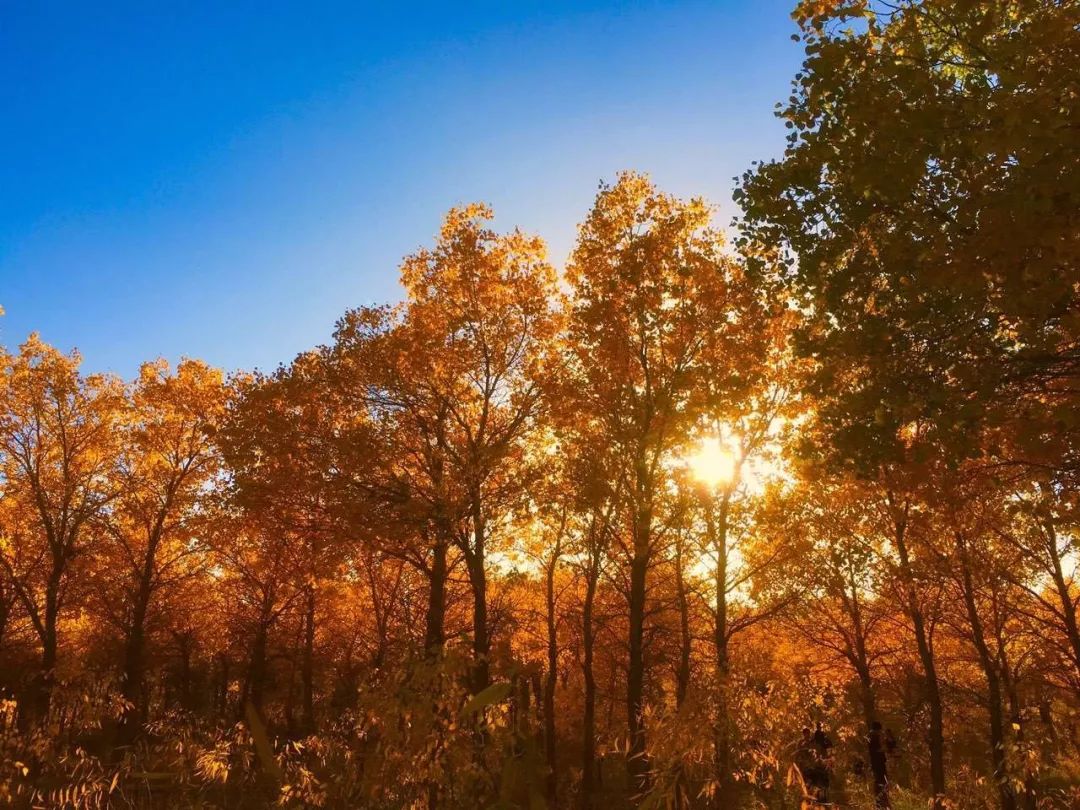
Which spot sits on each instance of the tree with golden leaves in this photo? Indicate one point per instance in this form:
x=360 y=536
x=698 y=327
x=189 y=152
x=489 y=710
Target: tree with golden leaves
x=465 y=372
x=149 y=533
x=60 y=443
x=651 y=292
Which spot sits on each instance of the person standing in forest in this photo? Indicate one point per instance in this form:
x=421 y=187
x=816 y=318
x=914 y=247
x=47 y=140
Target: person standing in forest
x=876 y=744
x=822 y=755
x=812 y=768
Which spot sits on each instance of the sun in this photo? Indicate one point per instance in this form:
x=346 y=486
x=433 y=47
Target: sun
x=713 y=464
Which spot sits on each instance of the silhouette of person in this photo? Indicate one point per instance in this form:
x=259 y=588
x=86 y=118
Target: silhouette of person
x=811 y=758
x=821 y=741
x=806 y=762
x=822 y=752
x=878 y=743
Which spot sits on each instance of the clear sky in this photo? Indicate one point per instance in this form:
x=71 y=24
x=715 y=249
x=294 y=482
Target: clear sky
x=223 y=179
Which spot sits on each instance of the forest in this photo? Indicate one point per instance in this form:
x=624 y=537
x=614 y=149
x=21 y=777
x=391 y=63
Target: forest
x=776 y=515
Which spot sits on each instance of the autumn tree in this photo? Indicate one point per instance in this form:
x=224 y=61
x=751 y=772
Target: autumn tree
x=472 y=337
x=59 y=443
x=148 y=533
x=966 y=517
x=596 y=494
x=395 y=472
x=661 y=512
x=651 y=291
x=746 y=398
x=925 y=208
x=924 y=211
x=280 y=443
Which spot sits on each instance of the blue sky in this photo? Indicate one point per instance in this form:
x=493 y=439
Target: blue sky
x=223 y=179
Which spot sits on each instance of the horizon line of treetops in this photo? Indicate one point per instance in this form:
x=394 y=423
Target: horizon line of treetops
x=687 y=525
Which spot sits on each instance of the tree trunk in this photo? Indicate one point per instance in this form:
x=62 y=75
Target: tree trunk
x=637 y=764
x=256 y=679
x=221 y=699
x=716 y=524
x=588 y=725
x=185 y=685
x=135 y=647
x=481 y=674
x=858 y=655
x=717 y=527
x=134 y=659
x=933 y=689
x=552 y=781
x=49 y=642
x=993 y=681
x=7 y=601
x=478 y=579
x=866 y=692
x=435 y=634
x=132 y=688
x=936 y=739
x=1028 y=799
x=307 y=666
x=1064 y=593
x=682 y=675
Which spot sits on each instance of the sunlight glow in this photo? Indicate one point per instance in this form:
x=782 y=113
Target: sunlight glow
x=713 y=464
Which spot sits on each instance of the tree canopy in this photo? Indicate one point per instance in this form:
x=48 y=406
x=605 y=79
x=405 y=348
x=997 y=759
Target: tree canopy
x=783 y=519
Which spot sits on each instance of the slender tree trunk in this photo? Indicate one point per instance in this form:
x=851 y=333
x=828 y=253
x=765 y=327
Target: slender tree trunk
x=682 y=675
x=638 y=765
x=135 y=652
x=718 y=529
x=550 y=743
x=7 y=601
x=876 y=758
x=184 y=649
x=307 y=665
x=221 y=699
x=1065 y=597
x=859 y=657
x=289 y=709
x=135 y=647
x=860 y=660
x=993 y=681
x=588 y=724
x=937 y=725
x=936 y=739
x=478 y=579
x=435 y=634
x=1028 y=799
x=716 y=525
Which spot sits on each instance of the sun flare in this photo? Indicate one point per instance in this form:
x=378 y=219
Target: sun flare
x=713 y=463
